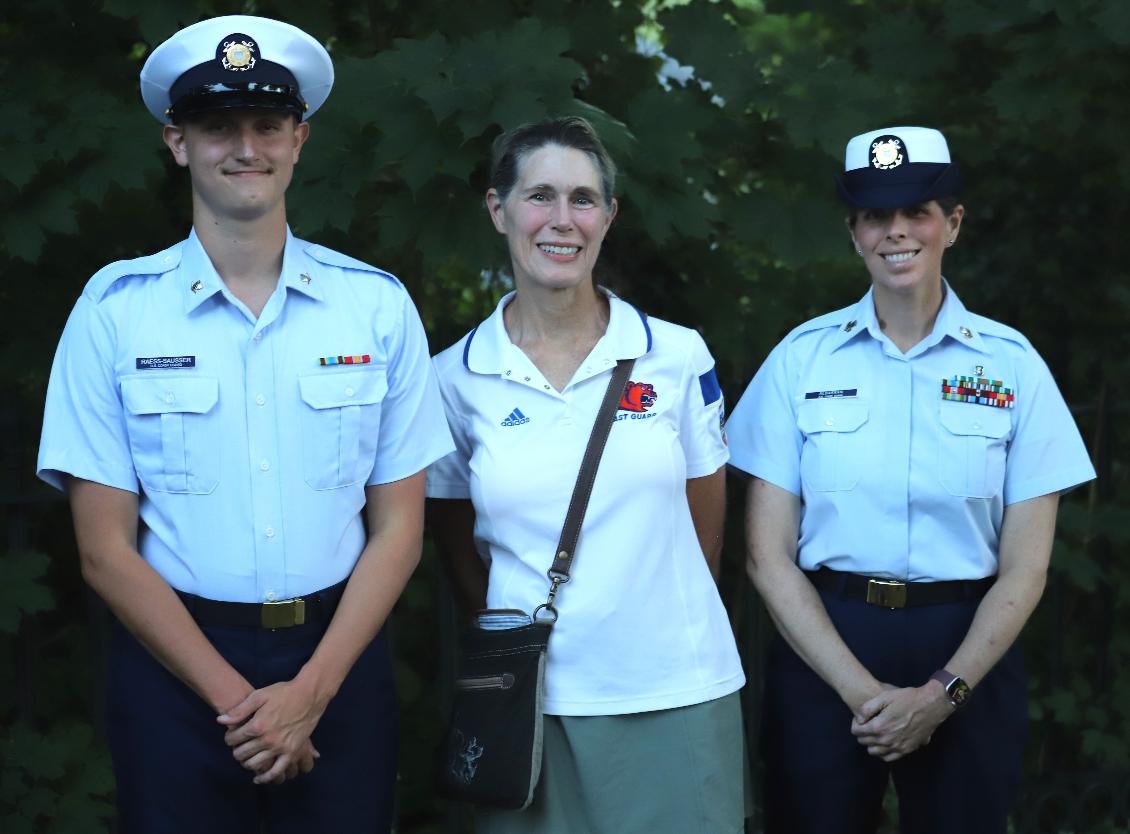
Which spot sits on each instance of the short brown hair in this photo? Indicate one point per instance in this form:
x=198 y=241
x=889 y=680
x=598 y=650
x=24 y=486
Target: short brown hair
x=511 y=147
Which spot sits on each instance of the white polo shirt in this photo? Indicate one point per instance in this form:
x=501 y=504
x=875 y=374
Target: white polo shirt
x=250 y=456
x=641 y=625
x=902 y=476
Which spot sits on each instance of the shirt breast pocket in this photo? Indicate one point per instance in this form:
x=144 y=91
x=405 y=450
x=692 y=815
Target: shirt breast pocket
x=173 y=432
x=833 y=456
x=972 y=448
x=341 y=422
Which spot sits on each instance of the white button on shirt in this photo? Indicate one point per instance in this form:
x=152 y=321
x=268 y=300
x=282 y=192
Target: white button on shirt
x=639 y=569
x=156 y=389
x=896 y=480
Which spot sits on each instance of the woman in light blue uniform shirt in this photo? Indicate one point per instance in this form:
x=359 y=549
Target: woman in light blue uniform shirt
x=908 y=457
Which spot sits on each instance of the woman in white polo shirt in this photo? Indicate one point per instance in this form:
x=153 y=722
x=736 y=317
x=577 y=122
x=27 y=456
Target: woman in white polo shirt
x=908 y=458
x=643 y=726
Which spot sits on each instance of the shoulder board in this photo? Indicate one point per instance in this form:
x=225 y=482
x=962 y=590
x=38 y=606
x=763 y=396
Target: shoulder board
x=156 y=264
x=330 y=257
x=828 y=320
x=994 y=329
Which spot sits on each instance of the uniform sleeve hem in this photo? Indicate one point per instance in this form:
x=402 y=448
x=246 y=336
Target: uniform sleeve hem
x=56 y=476
x=1048 y=484
x=407 y=470
x=767 y=472
x=447 y=490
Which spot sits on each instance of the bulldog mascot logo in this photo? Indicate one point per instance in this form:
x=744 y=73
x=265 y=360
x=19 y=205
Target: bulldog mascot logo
x=638 y=397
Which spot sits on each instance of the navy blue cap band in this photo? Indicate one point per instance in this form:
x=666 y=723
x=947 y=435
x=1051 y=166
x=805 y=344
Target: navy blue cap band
x=910 y=183
x=268 y=85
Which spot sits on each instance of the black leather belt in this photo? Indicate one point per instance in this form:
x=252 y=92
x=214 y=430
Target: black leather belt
x=887 y=593
x=285 y=613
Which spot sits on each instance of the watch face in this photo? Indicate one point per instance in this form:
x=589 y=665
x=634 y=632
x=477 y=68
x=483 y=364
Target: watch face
x=958 y=691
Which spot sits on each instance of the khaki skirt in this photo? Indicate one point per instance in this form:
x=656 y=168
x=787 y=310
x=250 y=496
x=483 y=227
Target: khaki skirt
x=675 y=771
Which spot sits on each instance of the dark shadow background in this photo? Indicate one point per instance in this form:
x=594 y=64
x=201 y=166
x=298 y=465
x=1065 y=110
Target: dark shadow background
x=728 y=223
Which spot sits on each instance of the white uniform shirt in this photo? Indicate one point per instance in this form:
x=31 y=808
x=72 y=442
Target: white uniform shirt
x=641 y=625
x=250 y=457
x=898 y=481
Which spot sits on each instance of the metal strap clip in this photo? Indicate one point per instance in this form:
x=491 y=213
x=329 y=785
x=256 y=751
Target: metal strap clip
x=284 y=613
x=886 y=594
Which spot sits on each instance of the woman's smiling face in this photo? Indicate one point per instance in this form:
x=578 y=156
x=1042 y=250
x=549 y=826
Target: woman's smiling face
x=554 y=217
x=903 y=247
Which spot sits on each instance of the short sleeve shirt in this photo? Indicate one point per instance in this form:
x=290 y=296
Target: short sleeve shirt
x=641 y=625
x=906 y=462
x=249 y=441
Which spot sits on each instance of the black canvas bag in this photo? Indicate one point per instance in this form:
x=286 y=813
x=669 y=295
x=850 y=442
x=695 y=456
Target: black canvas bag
x=492 y=752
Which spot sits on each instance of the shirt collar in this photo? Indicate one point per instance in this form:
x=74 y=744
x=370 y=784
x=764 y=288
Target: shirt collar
x=198 y=276
x=488 y=349
x=201 y=281
x=858 y=319
x=953 y=320
x=300 y=271
x=956 y=322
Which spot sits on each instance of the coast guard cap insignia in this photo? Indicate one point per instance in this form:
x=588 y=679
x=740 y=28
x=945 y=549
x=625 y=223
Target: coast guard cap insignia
x=887 y=152
x=237 y=53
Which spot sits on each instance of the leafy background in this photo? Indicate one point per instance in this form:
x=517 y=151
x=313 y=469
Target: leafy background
x=728 y=120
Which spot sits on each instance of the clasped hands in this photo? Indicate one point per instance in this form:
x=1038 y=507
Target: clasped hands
x=269 y=732
x=898 y=721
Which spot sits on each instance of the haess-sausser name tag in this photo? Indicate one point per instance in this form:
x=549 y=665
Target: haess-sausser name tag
x=831 y=395
x=155 y=363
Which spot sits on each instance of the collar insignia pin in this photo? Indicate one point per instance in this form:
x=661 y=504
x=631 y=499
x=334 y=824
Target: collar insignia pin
x=197 y=286
x=850 y=326
x=304 y=278
x=966 y=332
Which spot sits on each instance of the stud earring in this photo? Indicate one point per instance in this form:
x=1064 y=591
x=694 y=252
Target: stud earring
x=953 y=240
x=859 y=251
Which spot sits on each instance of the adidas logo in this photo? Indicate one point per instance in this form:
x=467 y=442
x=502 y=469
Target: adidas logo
x=515 y=418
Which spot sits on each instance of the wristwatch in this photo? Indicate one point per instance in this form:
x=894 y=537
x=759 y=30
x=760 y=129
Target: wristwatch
x=957 y=690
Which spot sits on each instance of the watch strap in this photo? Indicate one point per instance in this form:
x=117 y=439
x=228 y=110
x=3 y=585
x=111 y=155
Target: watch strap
x=957 y=690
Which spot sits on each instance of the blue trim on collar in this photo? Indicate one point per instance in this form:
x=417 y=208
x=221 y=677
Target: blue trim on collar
x=467 y=346
x=647 y=329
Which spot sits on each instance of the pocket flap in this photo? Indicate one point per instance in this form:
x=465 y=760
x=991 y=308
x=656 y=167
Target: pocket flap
x=342 y=388
x=831 y=415
x=169 y=394
x=970 y=419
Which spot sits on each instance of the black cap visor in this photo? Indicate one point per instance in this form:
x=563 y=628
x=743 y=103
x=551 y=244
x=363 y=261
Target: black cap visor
x=227 y=97
x=914 y=182
x=208 y=87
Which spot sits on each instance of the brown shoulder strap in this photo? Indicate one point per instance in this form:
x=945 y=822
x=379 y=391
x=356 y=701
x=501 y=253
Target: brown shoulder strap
x=579 y=503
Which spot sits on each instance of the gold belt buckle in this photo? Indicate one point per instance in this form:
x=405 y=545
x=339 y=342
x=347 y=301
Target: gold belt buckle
x=886 y=594
x=284 y=613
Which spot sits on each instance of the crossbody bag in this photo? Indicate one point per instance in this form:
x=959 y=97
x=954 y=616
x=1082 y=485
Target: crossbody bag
x=492 y=752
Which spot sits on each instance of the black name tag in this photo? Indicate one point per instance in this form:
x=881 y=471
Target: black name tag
x=160 y=363
x=828 y=395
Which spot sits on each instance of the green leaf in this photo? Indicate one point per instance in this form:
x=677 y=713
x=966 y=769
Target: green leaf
x=23 y=590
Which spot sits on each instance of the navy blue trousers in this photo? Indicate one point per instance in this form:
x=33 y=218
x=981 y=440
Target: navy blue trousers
x=820 y=780
x=175 y=775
